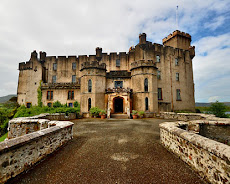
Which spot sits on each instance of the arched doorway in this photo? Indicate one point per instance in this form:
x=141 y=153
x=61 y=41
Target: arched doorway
x=118 y=104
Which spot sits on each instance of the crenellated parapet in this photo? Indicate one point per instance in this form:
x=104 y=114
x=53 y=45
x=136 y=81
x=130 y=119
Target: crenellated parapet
x=25 y=65
x=176 y=33
x=118 y=90
x=93 y=65
x=192 y=51
x=143 y=63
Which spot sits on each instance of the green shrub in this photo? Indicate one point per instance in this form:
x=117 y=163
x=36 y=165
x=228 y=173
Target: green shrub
x=141 y=113
x=94 y=111
x=103 y=112
x=76 y=104
x=218 y=109
x=198 y=110
x=57 y=104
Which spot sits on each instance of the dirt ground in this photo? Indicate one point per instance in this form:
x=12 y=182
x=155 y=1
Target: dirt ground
x=112 y=151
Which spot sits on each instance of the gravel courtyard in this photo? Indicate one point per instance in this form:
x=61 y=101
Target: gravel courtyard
x=112 y=151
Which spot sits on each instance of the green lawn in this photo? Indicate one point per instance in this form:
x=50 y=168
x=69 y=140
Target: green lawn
x=3 y=137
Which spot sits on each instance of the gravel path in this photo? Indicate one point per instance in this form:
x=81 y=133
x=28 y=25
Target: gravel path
x=112 y=151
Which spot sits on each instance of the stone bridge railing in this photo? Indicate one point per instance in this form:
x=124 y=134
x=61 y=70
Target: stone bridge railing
x=30 y=146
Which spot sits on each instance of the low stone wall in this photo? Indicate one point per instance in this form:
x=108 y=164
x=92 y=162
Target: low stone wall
x=25 y=125
x=19 y=154
x=185 y=116
x=209 y=158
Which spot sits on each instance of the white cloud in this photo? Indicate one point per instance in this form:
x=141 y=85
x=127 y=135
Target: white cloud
x=74 y=27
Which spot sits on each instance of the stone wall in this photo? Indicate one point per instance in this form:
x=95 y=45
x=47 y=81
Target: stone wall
x=19 y=154
x=209 y=158
x=26 y=125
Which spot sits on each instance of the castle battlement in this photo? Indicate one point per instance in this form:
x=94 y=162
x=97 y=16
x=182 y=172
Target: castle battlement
x=175 y=33
x=25 y=65
x=93 y=64
x=143 y=63
x=65 y=85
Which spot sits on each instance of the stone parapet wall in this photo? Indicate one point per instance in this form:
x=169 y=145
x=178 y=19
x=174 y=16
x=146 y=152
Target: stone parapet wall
x=25 y=125
x=209 y=158
x=19 y=154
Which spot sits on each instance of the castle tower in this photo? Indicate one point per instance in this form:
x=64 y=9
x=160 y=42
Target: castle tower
x=178 y=39
x=93 y=85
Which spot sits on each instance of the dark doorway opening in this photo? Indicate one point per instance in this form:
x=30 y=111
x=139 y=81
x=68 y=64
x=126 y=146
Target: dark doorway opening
x=118 y=105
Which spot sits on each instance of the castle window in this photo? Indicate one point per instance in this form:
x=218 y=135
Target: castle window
x=158 y=74
x=49 y=104
x=90 y=86
x=176 y=61
x=146 y=104
x=89 y=104
x=28 y=104
x=49 y=95
x=70 y=104
x=159 y=94
x=54 y=79
x=74 y=66
x=73 y=78
x=178 y=97
x=118 y=62
x=55 y=66
x=177 y=77
x=70 y=95
x=118 y=84
x=158 y=59
x=146 y=86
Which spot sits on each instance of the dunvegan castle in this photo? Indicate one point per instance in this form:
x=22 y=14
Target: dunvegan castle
x=150 y=77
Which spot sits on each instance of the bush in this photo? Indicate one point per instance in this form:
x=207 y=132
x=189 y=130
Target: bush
x=57 y=104
x=198 y=110
x=218 y=109
x=76 y=104
x=94 y=111
x=103 y=112
x=141 y=113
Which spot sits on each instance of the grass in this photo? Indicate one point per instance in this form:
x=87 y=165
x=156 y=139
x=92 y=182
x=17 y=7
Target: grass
x=3 y=137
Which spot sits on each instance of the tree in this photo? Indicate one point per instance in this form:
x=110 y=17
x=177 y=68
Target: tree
x=218 y=109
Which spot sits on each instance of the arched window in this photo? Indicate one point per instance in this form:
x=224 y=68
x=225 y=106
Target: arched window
x=89 y=104
x=146 y=104
x=90 y=86
x=146 y=85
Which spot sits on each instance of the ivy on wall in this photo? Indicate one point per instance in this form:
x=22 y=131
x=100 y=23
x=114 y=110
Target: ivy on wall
x=39 y=91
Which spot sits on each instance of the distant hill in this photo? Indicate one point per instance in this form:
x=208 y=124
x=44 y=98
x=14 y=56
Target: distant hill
x=4 y=99
x=198 y=104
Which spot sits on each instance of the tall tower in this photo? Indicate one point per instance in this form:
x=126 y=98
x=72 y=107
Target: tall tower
x=144 y=77
x=93 y=85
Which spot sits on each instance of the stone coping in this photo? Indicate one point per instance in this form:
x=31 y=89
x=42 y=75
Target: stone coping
x=219 y=149
x=25 y=139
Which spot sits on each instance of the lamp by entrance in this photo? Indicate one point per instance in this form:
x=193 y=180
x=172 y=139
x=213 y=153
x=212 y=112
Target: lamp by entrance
x=118 y=104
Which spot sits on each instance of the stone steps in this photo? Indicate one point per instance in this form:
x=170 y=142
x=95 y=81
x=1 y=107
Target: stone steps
x=119 y=116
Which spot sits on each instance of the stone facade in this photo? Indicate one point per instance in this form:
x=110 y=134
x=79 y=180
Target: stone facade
x=20 y=153
x=209 y=158
x=150 y=77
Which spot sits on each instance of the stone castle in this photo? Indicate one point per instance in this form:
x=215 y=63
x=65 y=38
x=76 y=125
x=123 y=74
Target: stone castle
x=151 y=77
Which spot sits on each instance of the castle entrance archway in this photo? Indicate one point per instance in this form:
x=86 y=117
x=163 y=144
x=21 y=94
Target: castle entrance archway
x=118 y=104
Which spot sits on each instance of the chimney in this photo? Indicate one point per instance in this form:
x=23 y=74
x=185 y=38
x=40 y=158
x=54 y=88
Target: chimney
x=98 y=53
x=142 y=38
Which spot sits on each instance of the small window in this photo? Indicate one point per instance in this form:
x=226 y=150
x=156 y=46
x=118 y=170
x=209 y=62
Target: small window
x=54 y=79
x=70 y=95
x=178 y=97
x=118 y=62
x=55 y=66
x=28 y=104
x=49 y=95
x=160 y=94
x=146 y=104
x=177 y=77
x=74 y=66
x=89 y=104
x=158 y=59
x=118 y=84
x=158 y=74
x=49 y=104
x=176 y=61
x=90 y=86
x=73 y=78
x=70 y=104
x=146 y=85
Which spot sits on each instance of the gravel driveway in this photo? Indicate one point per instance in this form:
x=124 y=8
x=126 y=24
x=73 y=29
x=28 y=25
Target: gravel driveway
x=112 y=151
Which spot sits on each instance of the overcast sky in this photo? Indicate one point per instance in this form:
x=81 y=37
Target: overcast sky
x=77 y=27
